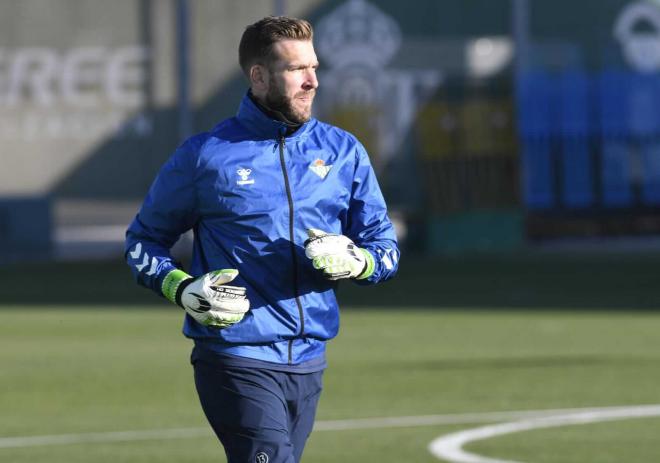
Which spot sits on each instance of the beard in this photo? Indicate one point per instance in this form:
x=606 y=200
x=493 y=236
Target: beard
x=277 y=101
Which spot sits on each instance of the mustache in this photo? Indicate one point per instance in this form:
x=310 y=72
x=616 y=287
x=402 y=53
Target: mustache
x=305 y=93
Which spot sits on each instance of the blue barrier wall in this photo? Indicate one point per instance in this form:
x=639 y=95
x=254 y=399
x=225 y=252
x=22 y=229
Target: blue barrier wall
x=25 y=229
x=590 y=140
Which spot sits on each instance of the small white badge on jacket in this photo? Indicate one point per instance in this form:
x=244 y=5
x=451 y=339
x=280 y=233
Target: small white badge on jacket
x=320 y=168
x=245 y=177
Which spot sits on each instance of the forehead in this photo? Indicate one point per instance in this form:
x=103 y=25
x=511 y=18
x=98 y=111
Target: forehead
x=287 y=52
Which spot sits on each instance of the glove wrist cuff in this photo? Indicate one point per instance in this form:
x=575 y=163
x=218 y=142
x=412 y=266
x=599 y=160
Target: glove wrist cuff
x=369 y=265
x=174 y=283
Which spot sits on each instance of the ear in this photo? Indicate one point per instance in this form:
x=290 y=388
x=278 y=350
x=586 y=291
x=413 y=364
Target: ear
x=258 y=78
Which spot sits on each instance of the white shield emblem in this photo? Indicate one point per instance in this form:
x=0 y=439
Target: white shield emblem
x=320 y=168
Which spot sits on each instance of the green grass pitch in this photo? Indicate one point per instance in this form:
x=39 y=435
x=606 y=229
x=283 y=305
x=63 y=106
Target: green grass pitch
x=96 y=369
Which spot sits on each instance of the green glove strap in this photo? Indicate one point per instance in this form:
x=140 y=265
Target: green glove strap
x=371 y=265
x=171 y=283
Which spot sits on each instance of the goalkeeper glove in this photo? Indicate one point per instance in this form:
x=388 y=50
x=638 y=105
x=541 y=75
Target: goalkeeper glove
x=337 y=256
x=207 y=299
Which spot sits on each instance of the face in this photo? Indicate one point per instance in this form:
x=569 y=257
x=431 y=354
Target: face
x=290 y=80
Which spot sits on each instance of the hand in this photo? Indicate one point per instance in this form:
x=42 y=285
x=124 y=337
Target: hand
x=208 y=299
x=337 y=256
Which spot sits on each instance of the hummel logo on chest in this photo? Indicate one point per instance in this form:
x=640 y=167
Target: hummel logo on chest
x=245 y=177
x=320 y=168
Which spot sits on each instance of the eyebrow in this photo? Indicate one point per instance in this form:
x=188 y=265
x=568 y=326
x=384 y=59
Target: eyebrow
x=294 y=66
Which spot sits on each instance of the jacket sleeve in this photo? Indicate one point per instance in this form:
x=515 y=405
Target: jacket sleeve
x=368 y=224
x=168 y=211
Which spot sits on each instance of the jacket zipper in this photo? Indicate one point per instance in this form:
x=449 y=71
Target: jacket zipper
x=282 y=144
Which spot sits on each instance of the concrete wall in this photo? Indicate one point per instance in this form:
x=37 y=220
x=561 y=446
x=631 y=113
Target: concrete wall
x=80 y=78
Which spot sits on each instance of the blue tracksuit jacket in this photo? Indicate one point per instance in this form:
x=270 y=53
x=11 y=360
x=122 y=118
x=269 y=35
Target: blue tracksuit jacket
x=250 y=193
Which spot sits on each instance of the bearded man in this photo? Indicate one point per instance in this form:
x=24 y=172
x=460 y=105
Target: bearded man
x=283 y=207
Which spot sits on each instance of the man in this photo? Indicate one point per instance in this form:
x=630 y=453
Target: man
x=282 y=207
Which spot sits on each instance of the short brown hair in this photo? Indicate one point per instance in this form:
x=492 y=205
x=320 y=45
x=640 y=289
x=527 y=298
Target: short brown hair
x=258 y=39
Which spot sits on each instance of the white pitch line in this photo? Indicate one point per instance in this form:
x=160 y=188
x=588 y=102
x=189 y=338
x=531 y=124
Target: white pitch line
x=100 y=437
x=328 y=425
x=431 y=420
x=450 y=446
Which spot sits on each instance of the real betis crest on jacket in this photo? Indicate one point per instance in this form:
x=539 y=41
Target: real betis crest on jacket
x=320 y=168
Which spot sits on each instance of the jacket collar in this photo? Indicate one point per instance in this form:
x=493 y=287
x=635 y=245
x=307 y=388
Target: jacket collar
x=264 y=126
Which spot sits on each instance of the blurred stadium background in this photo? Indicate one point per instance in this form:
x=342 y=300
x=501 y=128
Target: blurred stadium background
x=518 y=146
x=494 y=125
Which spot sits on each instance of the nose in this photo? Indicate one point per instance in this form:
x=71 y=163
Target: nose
x=311 y=82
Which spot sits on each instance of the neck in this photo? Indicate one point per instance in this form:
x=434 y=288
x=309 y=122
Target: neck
x=273 y=114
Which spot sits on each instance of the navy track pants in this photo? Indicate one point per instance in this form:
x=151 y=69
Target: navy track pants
x=259 y=415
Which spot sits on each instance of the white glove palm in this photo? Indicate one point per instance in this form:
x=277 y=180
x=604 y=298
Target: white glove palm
x=208 y=299
x=213 y=303
x=337 y=256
